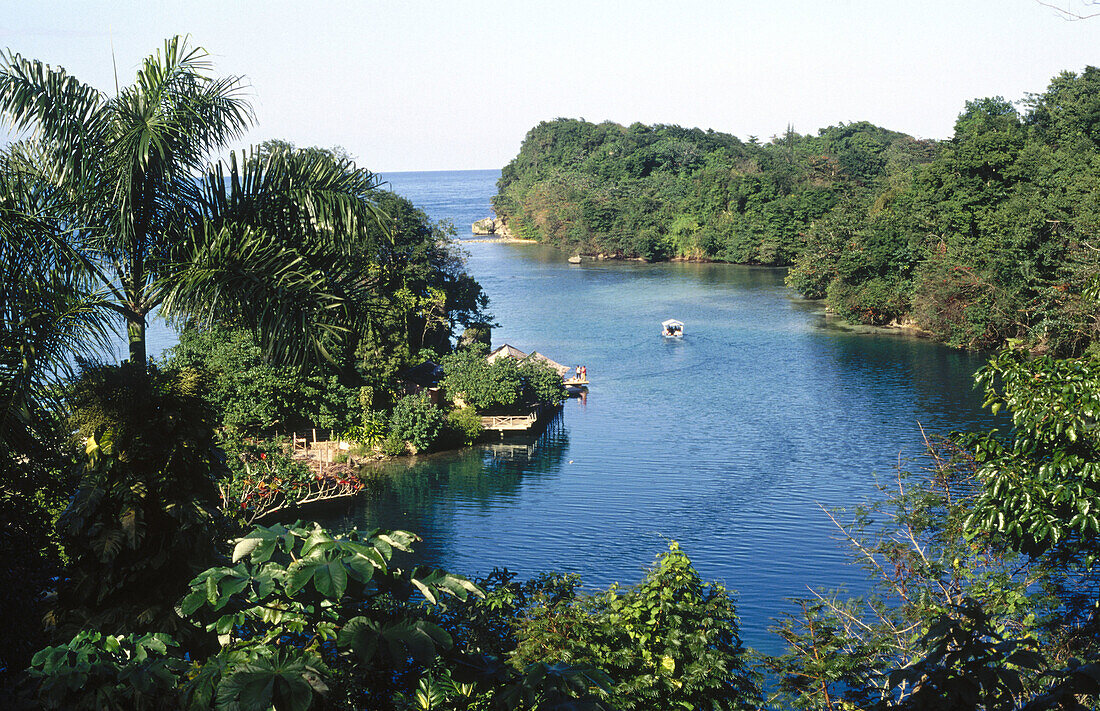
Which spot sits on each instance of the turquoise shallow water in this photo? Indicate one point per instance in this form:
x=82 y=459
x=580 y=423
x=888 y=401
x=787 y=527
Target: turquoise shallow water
x=729 y=441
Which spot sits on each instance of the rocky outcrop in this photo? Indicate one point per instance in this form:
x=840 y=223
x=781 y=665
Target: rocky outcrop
x=491 y=226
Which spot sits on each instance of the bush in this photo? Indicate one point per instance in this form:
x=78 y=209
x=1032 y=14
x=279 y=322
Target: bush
x=477 y=333
x=417 y=421
x=541 y=383
x=252 y=396
x=95 y=671
x=393 y=446
x=875 y=302
x=662 y=641
x=465 y=425
x=481 y=384
x=504 y=384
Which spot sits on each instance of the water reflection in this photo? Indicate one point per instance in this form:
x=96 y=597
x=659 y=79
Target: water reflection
x=425 y=494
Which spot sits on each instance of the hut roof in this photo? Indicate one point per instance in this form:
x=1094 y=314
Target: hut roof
x=561 y=369
x=506 y=351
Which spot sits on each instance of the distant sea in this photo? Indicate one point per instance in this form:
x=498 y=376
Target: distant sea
x=460 y=196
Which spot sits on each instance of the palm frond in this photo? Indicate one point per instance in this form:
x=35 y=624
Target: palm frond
x=241 y=274
x=45 y=317
x=61 y=110
x=306 y=196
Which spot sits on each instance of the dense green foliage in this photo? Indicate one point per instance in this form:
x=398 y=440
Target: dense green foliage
x=983 y=567
x=425 y=294
x=43 y=322
x=145 y=515
x=417 y=421
x=287 y=242
x=976 y=239
x=984 y=577
x=251 y=395
x=1041 y=489
x=671 y=641
x=110 y=210
x=96 y=671
x=505 y=385
x=661 y=192
x=989 y=240
x=465 y=423
x=306 y=620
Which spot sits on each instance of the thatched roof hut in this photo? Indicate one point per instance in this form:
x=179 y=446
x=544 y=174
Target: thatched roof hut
x=506 y=351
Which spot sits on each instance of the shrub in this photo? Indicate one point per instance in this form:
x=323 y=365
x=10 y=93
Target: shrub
x=95 y=671
x=481 y=384
x=541 y=383
x=465 y=425
x=661 y=640
x=501 y=385
x=393 y=446
x=250 y=395
x=417 y=421
x=477 y=333
x=875 y=302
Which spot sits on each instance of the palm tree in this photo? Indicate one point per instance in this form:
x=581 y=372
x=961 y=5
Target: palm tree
x=109 y=211
x=153 y=224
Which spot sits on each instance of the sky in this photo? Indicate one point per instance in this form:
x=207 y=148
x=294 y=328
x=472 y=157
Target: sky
x=454 y=84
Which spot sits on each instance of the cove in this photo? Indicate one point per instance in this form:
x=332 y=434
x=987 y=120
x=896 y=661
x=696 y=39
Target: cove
x=729 y=441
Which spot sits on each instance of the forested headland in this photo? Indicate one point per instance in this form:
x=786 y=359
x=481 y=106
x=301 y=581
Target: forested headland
x=986 y=236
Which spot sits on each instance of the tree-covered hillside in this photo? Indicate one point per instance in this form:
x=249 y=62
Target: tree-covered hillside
x=975 y=239
x=662 y=192
x=989 y=241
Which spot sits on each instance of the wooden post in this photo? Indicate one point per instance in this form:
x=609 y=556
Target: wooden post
x=315 y=435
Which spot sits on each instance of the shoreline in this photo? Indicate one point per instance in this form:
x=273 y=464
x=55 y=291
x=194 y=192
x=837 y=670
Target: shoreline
x=896 y=328
x=497 y=240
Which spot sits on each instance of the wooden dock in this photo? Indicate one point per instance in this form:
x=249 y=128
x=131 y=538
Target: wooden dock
x=513 y=423
x=517 y=423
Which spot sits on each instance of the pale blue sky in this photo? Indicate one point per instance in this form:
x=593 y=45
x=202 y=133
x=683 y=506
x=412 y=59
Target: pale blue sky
x=455 y=85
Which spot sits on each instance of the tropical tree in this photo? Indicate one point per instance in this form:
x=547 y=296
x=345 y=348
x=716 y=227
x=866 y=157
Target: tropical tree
x=671 y=641
x=108 y=211
x=145 y=517
x=154 y=225
x=41 y=323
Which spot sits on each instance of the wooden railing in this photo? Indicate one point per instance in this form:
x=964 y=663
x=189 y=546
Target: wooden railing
x=509 y=422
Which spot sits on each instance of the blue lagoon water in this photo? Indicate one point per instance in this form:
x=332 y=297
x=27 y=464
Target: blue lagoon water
x=730 y=441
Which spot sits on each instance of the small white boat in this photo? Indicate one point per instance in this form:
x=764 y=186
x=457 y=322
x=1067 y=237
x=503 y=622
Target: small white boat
x=672 y=328
x=575 y=259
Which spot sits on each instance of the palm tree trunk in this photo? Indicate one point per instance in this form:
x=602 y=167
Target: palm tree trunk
x=135 y=334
